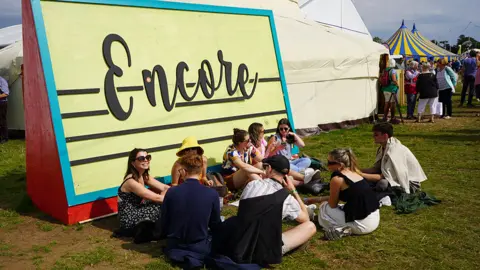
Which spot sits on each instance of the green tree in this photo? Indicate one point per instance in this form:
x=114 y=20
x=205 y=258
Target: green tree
x=378 y=40
x=462 y=39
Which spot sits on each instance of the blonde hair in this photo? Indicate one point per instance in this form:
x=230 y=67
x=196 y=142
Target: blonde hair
x=425 y=66
x=391 y=63
x=345 y=157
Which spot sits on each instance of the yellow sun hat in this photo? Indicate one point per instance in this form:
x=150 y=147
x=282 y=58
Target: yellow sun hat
x=189 y=142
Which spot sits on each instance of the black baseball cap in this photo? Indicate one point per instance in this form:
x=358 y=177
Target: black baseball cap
x=279 y=163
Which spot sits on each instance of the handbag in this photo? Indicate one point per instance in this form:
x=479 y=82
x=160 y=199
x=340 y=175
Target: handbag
x=438 y=108
x=218 y=183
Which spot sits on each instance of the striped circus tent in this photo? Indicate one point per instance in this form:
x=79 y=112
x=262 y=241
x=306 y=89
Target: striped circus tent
x=412 y=44
x=446 y=53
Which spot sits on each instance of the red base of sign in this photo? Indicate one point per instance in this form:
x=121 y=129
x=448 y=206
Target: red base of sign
x=44 y=175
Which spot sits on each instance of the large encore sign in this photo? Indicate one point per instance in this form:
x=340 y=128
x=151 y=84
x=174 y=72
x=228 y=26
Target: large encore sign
x=125 y=74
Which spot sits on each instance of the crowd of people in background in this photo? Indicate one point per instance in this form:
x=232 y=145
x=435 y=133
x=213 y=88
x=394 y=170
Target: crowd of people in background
x=431 y=85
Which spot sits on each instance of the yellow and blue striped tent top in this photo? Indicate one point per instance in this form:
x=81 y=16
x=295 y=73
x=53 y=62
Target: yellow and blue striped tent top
x=412 y=44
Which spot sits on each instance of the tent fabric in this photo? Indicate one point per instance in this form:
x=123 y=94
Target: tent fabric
x=11 y=60
x=414 y=45
x=429 y=43
x=331 y=75
x=340 y=13
x=10 y=35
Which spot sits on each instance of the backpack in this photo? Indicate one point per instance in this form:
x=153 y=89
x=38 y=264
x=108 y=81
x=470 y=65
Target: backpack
x=218 y=183
x=385 y=78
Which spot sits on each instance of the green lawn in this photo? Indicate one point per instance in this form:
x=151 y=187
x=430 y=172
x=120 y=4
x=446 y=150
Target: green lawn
x=440 y=237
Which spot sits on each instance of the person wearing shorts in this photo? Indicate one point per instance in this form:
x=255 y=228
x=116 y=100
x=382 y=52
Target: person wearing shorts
x=390 y=90
x=427 y=87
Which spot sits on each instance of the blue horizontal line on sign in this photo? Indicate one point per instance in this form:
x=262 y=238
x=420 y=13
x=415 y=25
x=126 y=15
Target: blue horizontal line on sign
x=170 y=126
x=150 y=150
x=84 y=114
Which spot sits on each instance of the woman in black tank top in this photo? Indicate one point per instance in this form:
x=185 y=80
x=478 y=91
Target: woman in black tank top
x=359 y=214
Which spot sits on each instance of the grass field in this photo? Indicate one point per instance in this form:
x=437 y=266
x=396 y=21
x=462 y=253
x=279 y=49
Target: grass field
x=446 y=236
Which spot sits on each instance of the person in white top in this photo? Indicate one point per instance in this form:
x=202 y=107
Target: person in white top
x=447 y=80
x=276 y=177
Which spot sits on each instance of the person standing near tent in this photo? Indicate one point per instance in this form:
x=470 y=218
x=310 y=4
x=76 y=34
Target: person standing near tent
x=389 y=83
x=4 y=92
x=477 y=78
x=469 y=71
x=427 y=87
x=411 y=75
x=446 y=85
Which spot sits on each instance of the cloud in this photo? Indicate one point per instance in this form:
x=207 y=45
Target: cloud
x=435 y=19
x=10 y=12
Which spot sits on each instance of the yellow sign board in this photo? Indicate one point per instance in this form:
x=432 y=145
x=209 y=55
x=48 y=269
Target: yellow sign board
x=147 y=74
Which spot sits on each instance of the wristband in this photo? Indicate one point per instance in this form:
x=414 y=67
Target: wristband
x=294 y=191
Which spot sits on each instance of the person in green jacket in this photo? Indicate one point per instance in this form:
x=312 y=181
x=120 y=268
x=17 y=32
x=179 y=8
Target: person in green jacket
x=389 y=90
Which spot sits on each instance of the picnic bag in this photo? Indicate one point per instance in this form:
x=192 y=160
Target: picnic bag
x=218 y=183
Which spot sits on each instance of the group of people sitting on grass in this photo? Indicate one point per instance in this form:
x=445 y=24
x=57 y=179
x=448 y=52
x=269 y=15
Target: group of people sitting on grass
x=187 y=214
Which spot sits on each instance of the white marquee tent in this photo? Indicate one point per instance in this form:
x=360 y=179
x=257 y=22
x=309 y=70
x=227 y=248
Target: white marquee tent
x=331 y=75
x=11 y=60
x=339 y=13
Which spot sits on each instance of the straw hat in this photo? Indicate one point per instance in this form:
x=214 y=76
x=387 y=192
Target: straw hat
x=189 y=142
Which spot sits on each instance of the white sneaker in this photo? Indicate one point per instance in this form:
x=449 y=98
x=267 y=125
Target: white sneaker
x=311 y=211
x=309 y=173
x=385 y=201
x=447 y=117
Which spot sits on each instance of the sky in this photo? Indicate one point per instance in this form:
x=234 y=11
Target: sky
x=435 y=19
x=10 y=13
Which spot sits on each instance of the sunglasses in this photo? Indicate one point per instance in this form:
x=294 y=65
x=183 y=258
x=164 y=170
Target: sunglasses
x=143 y=158
x=265 y=166
x=332 y=162
x=284 y=129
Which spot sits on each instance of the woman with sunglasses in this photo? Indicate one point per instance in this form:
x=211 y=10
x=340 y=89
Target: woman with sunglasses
x=359 y=214
x=189 y=146
x=285 y=140
x=136 y=203
x=257 y=133
x=236 y=167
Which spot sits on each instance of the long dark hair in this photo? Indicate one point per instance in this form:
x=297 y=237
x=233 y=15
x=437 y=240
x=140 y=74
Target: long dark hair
x=131 y=169
x=283 y=121
x=239 y=136
x=254 y=131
